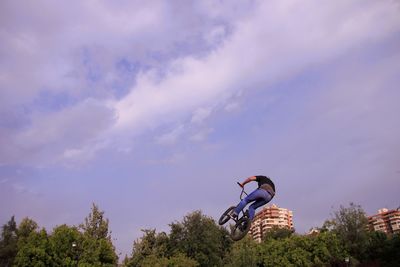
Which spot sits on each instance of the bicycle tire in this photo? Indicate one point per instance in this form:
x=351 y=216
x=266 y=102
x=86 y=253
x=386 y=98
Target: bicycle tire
x=240 y=229
x=225 y=216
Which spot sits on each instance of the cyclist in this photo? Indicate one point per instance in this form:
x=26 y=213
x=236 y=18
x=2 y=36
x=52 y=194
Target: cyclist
x=261 y=196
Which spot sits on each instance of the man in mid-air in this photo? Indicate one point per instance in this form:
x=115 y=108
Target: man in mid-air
x=261 y=196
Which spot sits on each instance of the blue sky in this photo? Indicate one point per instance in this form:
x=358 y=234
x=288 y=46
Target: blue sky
x=153 y=110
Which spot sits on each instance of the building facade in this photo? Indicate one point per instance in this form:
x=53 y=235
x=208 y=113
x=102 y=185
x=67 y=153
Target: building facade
x=387 y=221
x=269 y=217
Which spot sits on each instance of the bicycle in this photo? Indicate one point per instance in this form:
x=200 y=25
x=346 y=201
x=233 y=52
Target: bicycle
x=242 y=223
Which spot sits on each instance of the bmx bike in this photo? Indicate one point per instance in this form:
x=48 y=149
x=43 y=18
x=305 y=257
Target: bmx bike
x=242 y=221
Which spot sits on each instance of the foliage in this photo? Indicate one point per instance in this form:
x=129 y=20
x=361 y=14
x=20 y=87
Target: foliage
x=32 y=244
x=34 y=250
x=96 y=247
x=320 y=250
x=198 y=241
x=244 y=253
x=350 y=224
x=199 y=238
x=64 y=245
x=8 y=243
x=95 y=226
x=278 y=233
x=153 y=250
x=151 y=244
x=391 y=252
x=178 y=260
x=25 y=228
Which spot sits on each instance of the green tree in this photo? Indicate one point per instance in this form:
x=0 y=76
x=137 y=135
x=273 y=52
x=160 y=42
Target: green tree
x=244 y=253
x=278 y=233
x=275 y=252
x=63 y=244
x=152 y=249
x=391 y=252
x=199 y=238
x=326 y=249
x=34 y=250
x=376 y=242
x=95 y=225
x=151 y=245
x=8 y=243
x=96 y=246
x=350 y=224
x=25 y=228
x=180 y=260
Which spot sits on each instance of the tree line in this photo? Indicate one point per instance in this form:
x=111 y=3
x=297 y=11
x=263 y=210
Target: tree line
x=196 y=240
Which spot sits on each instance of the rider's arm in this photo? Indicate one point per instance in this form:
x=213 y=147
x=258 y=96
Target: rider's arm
x=248 y=180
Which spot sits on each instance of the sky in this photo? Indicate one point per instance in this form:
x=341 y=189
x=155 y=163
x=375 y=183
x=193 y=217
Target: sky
x=154 y=109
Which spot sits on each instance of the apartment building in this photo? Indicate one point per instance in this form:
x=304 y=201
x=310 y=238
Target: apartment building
x=387 y=221
x=269 y=217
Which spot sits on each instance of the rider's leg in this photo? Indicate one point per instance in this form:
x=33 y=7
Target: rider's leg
x=256 y=194
x=264 y=199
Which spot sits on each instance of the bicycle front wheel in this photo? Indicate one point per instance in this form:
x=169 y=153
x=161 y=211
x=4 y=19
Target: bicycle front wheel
x=225 y=216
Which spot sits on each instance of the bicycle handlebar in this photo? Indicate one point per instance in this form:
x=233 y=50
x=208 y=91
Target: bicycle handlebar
x=241 y=193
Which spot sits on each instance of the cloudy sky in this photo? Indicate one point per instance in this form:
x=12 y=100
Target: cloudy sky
x=154 y=109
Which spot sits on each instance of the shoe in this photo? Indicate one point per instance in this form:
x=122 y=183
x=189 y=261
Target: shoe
x=247 y=213
x=233 y=215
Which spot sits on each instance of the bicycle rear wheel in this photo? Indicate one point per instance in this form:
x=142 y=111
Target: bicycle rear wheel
x=225 y=216
x=240 y=229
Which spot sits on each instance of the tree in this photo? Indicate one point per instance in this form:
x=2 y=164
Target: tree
x=95 y=226
x=278 y=233
x=8 y=243
x=150 y=244
x=25 y=228
x=350 y=224
x=199 y=238
x=34 y=250
x=178 y=260
x=244 y=253
x=63 y=245
x=152 y=249
x=391 y=252
x=376 y=242
x=96 y=246
x=326 y=249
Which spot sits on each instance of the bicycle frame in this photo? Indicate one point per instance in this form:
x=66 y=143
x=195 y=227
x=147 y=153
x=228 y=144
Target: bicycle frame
x=243 y=192
x=241 y=196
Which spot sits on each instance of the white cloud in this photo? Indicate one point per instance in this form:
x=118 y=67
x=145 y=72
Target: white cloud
x=172 y=159
x=258 y=49
x=201 y=135
x=4 y=180
x=51 y=136
x=216 y=35
x=23 y=189
x=43 y=44
x=200 y=115
x=232 y=106
x=171 y=137
x=266 y=47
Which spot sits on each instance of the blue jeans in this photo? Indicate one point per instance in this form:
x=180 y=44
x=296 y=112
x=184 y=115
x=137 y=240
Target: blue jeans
x=260 y=196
